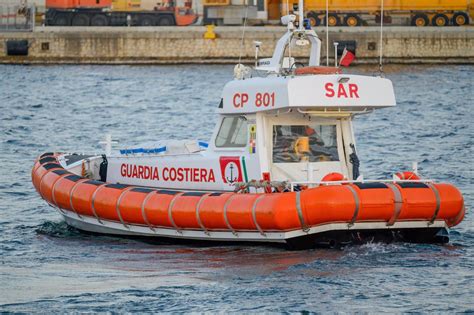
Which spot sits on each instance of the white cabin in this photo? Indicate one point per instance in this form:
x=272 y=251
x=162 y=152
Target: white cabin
x=282 y=126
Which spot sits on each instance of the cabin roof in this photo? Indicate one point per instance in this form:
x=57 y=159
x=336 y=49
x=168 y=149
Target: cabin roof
x=311 y=92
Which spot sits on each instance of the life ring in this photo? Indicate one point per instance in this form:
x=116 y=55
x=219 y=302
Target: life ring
x=333 y=177
x=317 y=70
x=407 y=176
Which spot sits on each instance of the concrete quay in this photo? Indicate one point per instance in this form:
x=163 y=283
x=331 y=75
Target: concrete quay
x=175 y=45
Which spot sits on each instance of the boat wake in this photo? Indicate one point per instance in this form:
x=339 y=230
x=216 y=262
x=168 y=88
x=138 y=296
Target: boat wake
x=58 y=230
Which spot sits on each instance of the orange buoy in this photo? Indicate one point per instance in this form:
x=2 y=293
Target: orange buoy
x=407 y=176
x=333 y=177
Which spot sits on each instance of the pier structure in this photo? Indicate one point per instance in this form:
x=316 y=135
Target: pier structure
x=192 y=44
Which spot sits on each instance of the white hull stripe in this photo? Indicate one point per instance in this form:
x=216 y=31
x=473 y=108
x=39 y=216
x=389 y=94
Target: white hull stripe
x=72 y=193
x=438 y=201
x=93 y=201
x=398 y=203
x=170 y=211
x=198 y=217
x=110 y=227
x=225 y=214
x=117 y=206
x=144 y=216
x=53 y=191
x=254 y=214
x=357 y=205
x=300 y=211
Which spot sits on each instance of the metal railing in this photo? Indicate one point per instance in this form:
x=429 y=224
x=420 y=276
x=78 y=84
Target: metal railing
x=363 y=181
x=14 y=18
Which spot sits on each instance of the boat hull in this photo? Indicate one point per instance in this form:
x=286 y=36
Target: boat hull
x=352 y=212
x=328 y=235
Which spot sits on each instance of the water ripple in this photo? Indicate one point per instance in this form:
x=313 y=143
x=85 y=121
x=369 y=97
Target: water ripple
x=47 y=266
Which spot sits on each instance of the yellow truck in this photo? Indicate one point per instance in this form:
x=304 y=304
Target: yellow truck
x=418 y=12
x=341 y=12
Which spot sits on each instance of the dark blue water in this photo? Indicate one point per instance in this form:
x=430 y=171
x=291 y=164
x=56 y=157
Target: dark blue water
x=48 y=267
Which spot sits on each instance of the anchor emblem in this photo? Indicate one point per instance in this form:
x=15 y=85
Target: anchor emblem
x=231 y=170
x=230 y=175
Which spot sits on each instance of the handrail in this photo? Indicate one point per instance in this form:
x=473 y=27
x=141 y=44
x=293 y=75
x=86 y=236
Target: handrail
x=337 y=112
x=308 y=183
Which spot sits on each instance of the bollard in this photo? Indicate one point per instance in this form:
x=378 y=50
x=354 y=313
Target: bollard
x=210 y=32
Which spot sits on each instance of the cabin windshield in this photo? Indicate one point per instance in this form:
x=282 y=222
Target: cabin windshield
x=232 y=133
x=304 y=143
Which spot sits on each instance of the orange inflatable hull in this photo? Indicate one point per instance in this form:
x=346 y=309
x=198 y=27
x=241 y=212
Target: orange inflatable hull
x=348 y=204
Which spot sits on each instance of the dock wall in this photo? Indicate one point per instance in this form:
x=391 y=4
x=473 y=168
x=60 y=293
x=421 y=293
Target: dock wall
x=172 y=45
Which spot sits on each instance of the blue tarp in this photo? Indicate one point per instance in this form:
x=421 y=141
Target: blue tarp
x=142 y=150
x=156 y=150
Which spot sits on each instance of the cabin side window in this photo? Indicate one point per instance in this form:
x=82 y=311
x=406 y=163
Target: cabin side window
x=232 y=133
x=304 y=143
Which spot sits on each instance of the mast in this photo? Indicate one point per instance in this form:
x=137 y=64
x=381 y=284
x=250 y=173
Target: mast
x=293 y=36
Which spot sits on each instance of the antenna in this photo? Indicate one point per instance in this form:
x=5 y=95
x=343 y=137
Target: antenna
x=243 y=31
x=335 y=53
x=108 y=144
x=257 y=49
x=381 y=38
x=301 y=9
x=289 y=38
x=327 y=33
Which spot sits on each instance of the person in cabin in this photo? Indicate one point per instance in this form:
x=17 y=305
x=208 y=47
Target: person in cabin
x=294 y=144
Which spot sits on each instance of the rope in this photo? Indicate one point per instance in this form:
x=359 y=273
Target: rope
x=243 y=31
x=381 y=38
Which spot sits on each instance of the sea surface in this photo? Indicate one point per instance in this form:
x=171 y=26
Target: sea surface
x=48 y=267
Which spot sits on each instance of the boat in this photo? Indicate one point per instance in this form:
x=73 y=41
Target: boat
x=281 y=167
